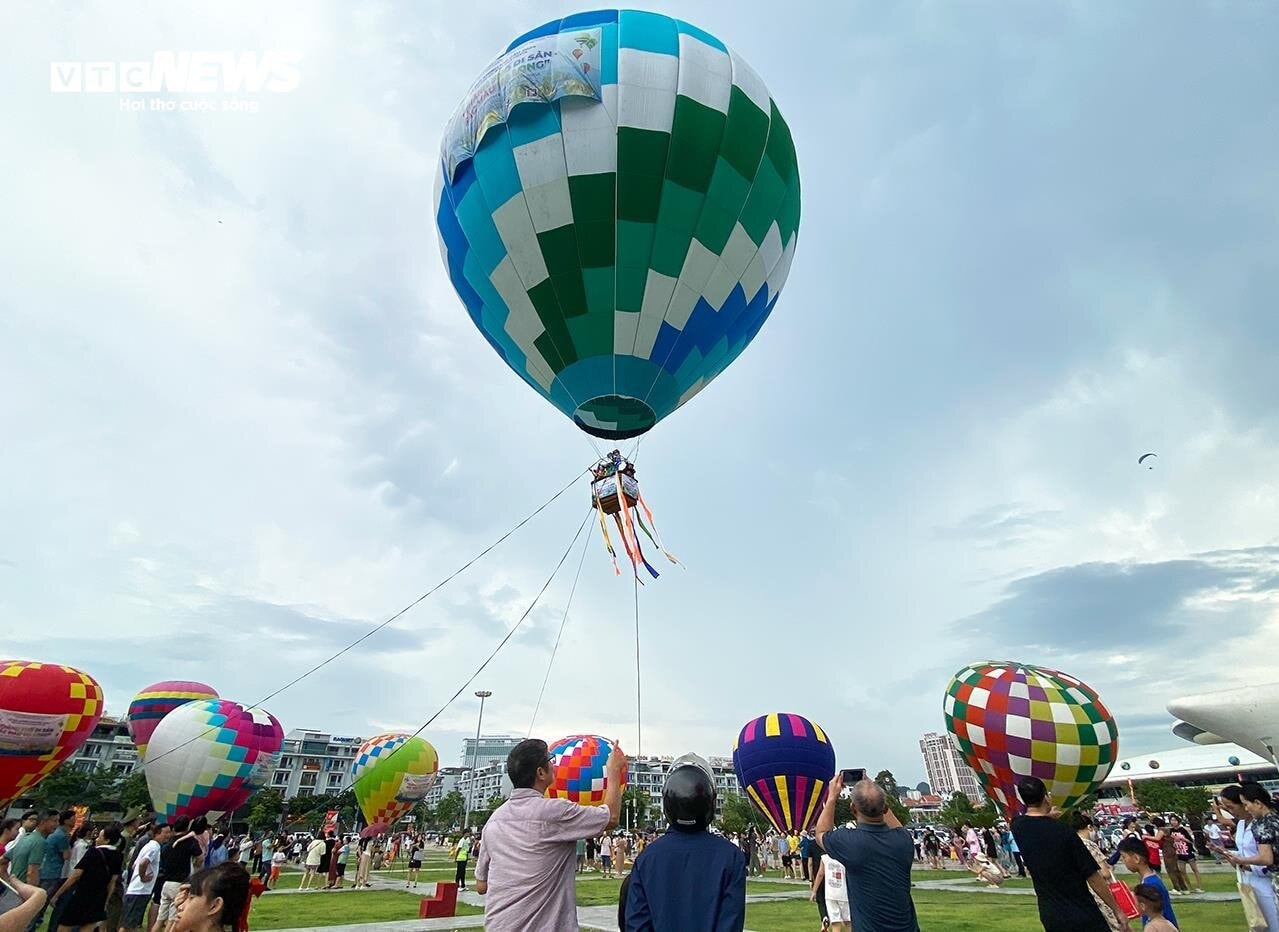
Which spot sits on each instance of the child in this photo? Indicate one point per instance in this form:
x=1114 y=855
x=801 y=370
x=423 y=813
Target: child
x=837 y=914
x=1132 y=851
x=1151 y=905
x=277 y=863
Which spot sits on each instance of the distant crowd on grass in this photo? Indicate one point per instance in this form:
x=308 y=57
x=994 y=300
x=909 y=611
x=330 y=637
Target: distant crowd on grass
x=139 y=874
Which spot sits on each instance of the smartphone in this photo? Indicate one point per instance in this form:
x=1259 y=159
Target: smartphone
x=853 y=775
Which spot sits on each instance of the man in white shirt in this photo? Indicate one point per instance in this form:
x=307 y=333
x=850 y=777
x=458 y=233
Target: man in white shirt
x=142 y=881
x=526 y=863
x=246 y=850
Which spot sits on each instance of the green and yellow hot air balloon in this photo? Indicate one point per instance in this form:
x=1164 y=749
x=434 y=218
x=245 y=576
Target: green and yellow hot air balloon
x=392 y=772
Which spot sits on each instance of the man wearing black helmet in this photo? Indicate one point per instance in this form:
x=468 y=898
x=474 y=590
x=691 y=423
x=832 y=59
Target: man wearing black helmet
x=687 y=878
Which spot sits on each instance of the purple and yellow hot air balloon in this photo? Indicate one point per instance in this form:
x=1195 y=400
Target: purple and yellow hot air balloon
x=208 y=756
x=784 y=763
x=157 y=701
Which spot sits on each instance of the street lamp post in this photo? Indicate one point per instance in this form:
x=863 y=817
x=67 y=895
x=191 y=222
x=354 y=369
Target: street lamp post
x=481 y=694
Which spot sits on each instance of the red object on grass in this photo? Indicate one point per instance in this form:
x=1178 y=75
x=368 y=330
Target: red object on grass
x=443 y=904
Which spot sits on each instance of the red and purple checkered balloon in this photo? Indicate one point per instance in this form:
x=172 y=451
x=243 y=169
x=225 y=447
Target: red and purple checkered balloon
x=1013 y=720
x=579 y=762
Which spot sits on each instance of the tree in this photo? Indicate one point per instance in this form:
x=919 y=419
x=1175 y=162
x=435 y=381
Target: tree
x=1163 y=796
x=265 y=808
x=887 y=782
x=957 y=810
x=634 y=807
x=449 y=811
x=479 y=817
x=133 y=791
x=70 y=786
x=738 y=814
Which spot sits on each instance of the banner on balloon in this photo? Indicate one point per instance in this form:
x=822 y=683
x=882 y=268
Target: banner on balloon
x=543 y=69
x=26 y=733
x=414 y=786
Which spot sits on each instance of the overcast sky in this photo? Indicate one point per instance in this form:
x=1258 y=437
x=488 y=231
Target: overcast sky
x=246 y=417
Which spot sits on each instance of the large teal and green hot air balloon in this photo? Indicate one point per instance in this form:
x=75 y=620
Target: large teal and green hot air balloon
x=618 y=205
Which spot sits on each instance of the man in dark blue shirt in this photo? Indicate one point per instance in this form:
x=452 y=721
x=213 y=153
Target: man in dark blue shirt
x=688 y=878
x=877 y=857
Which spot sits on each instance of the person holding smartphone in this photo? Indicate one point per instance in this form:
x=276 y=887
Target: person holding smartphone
x=877 y=857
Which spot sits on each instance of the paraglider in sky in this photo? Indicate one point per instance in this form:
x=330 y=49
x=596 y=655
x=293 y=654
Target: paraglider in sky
x=157 y=701
x=784 y=763
x=579 y=764
x=1145 y=456
x=618 y=205
x=1013 y=720
x=47 y=711
x=390 y=773
x=206 y=757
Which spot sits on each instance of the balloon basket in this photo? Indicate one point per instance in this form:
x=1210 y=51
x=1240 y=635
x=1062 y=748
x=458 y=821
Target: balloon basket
x=604 y=494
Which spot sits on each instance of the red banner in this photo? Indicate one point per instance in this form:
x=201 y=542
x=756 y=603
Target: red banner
x=330 y=821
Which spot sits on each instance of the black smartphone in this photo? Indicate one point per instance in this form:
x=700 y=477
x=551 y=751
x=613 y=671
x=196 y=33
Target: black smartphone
x=853 y=775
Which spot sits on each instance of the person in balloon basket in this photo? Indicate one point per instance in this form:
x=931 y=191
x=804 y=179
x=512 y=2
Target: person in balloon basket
x=525 y=866
x=1061 y=869
x=876 y=856
x=688 y=878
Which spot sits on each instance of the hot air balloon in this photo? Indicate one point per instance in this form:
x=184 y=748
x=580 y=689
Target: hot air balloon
x=1014 y=720
x=157 y=701
x=206 y=757
x=784 y=763
x=618 y=207
x=579 y=763
x=47 y=711
x=391 y=773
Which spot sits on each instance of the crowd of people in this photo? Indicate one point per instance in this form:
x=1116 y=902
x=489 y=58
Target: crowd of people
x=139 y=874
x=126 y=875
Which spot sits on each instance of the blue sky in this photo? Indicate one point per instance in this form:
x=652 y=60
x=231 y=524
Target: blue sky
x=1038 y=240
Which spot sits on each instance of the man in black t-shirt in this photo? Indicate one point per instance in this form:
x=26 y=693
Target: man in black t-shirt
x=1061 y=868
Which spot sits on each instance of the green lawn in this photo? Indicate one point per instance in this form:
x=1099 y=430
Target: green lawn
x=964 y=912
x=301 y=910
x=938 y=909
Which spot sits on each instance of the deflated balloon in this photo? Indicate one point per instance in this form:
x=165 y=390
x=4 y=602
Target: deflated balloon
x=618 y=206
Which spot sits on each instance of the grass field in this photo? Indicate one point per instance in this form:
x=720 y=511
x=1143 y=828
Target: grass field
x=938 y=910
x=333 y=909
x=952 y=911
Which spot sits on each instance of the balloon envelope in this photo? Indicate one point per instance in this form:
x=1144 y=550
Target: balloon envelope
x=618 y=206
x=207 y=757
x=47 y=711
x=391 y=773
x=1014 y=720
x=784 y=763
x=158 y=700
x=579 y=763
